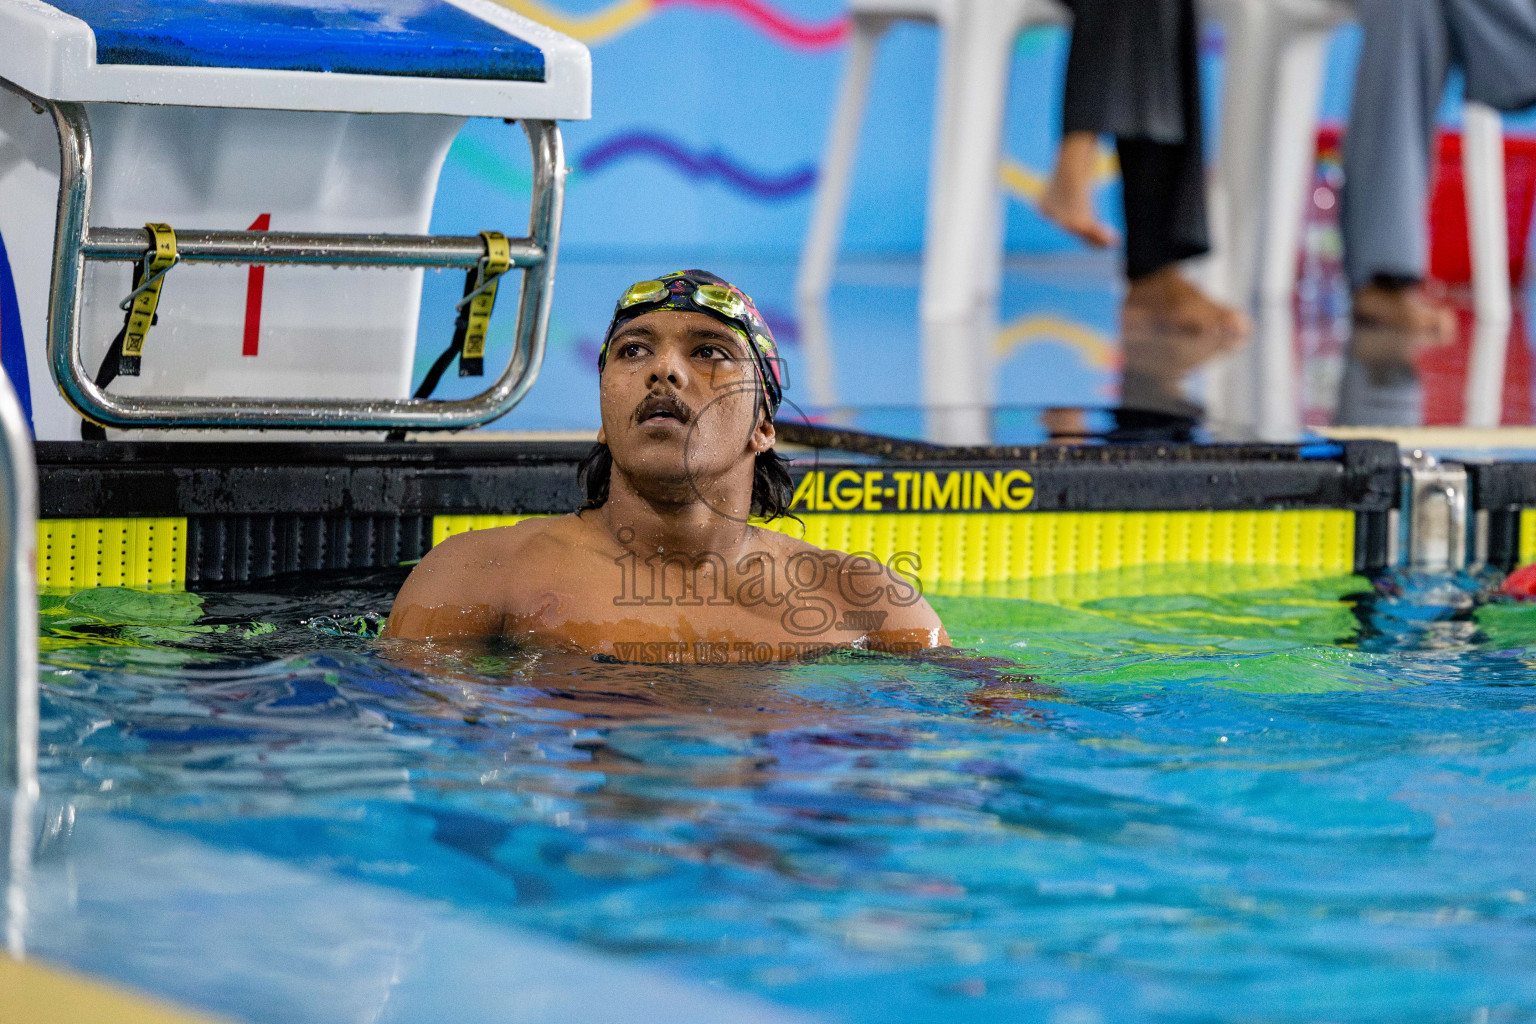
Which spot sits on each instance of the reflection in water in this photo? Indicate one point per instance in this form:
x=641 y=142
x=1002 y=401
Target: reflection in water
x=1380 y=386
x=1400 y=378
x=1158 y=365
x=1155 y=406
x=1158 y=368
x=1369 y=375
x=1303 y=367
x=1485 y=373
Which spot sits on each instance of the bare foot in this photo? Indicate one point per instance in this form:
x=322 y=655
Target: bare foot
x=1404 y=308
x=1164 y=301
x=1066 y=426
x=1068 y=198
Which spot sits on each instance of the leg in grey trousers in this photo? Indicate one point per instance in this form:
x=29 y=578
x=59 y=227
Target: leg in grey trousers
x=1410 y=46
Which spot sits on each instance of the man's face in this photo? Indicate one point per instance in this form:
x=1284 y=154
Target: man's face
x=680 y=404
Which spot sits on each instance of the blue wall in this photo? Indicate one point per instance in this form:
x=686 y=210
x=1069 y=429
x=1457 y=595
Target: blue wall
x=707 y=133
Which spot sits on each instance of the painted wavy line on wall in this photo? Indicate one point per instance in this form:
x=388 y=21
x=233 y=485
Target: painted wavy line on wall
x=617 y=18
x=1024 y=183
x=1096 y=349
x=620 y=17
x=1021 y=182
x=713 y=164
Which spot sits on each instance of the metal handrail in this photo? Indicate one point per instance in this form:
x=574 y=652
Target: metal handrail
x=75 y=242
x=272 y=247
x=18 y=598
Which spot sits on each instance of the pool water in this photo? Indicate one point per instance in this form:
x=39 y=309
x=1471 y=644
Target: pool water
x=1235 y=796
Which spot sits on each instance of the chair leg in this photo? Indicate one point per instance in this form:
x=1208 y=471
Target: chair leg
x=1482 y=154
x=1487 y=213
x=962 y=239
x=1269 y=125
x=1289 y=166
x=1252 y=34
x=1292 y=159
x=1251 y=31
x=818 y=258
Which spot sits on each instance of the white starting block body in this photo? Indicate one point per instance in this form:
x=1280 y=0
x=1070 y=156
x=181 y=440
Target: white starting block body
x=313 y=117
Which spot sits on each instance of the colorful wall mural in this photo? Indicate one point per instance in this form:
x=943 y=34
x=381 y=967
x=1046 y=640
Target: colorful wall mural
x=710 y=116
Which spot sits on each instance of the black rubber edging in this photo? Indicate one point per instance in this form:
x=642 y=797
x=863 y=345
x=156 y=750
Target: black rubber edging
x=256 y=509
x=1502 y=490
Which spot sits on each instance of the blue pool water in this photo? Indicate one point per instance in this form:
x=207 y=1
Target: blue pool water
x=1291 y=801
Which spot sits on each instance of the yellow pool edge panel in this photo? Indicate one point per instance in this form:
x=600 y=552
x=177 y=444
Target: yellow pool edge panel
x=76 y=554
x=39 y=994
x=966 y=548
x=1527 y=536
x=950 y=548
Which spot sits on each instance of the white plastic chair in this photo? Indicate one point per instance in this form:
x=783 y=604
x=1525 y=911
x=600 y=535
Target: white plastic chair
x=963 y=243
x=1268 y=148
x=1259 y=190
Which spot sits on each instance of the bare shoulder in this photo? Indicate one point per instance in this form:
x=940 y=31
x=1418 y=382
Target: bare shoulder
x=482 y=549
x=886 y=597
x=463 y=586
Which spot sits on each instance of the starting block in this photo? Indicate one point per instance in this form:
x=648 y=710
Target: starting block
x=180 y=181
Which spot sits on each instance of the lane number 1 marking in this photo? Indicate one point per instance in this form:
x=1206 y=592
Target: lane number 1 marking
x=253 y=287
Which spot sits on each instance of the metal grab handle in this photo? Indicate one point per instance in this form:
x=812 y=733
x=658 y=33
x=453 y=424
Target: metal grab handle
x=75 y=243
x=1437 y=513
x=18 y=598
x=287 y=247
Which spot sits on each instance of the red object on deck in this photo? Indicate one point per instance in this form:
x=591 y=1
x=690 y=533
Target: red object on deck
x=1443 y=371
x=1450 y=258
x=1521 y=582
x=1449 y=250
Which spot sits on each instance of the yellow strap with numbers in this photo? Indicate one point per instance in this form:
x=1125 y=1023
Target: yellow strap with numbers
x=497 y=261
x=141 y=313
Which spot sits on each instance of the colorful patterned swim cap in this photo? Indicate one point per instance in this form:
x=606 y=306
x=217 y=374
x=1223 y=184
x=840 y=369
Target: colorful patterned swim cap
x=699 y=291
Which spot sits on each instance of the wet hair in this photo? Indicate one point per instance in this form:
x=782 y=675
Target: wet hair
x=772 y=489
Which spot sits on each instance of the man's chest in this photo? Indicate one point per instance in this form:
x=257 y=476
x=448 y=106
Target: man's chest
x=679 y=599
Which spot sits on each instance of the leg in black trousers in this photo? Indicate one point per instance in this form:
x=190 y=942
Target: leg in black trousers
x=1133 y=72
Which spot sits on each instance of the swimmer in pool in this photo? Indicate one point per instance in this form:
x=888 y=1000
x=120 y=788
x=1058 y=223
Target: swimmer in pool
x=662 y=563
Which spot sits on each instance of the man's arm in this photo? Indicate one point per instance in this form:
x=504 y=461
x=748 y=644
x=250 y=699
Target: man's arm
x=902 y=619
x=456 y=591
x=913 y=627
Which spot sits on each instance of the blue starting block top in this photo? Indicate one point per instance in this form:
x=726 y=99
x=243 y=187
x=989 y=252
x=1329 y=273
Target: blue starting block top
x=417 y=38
x=467 y=58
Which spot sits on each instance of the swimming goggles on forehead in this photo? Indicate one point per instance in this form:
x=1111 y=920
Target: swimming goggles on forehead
x=723 y=303
x=711 y=297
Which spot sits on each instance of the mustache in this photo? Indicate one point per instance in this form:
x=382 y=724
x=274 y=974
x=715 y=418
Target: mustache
x=663 y=401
